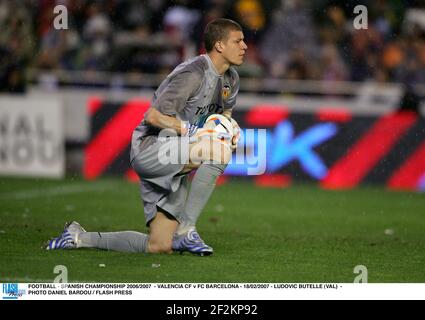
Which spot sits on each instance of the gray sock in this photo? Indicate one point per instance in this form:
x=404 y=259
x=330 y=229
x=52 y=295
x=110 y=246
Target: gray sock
x=203 y=185
x=124 y=241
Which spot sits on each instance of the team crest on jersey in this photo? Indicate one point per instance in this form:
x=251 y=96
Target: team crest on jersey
x=226 y=91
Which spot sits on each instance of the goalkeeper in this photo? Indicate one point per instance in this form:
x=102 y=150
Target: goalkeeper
x=194 y=90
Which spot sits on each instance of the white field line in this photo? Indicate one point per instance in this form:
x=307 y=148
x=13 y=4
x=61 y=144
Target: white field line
x=54 y=191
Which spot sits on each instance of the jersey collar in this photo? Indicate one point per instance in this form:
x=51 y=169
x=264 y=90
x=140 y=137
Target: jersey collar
x=212 y=66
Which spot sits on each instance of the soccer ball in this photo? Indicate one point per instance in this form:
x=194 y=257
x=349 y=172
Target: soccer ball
x=220 y=126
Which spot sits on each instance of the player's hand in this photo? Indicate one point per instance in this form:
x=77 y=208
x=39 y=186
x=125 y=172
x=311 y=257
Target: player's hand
x=188 y=130
x=236 y=134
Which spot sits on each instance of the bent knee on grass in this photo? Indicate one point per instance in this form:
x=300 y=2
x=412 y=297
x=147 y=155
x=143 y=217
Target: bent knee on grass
x=160 y=247
x=161 y=234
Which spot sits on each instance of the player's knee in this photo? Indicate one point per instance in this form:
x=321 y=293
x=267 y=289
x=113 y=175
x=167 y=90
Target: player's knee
x=160 y=247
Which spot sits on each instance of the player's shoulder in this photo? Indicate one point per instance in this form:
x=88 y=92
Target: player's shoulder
x=193 y=68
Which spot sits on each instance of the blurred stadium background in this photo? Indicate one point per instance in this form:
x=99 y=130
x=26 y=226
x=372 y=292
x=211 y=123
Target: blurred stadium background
x=343 y=108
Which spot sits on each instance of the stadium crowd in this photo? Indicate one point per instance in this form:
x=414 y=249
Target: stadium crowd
x=289 y=39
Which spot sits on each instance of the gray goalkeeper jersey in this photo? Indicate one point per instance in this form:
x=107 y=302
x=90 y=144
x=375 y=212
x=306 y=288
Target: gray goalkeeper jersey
x=191 y=92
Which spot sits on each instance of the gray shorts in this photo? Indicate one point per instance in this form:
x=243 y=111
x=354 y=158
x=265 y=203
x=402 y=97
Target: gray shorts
x=161 y=185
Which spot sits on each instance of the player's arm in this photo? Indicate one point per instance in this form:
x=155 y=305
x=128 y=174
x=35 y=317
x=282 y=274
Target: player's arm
x=172 y=100
x=157 y=119
x=228 y=108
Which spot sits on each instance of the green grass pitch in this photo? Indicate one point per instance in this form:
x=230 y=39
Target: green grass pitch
x=297 y=234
